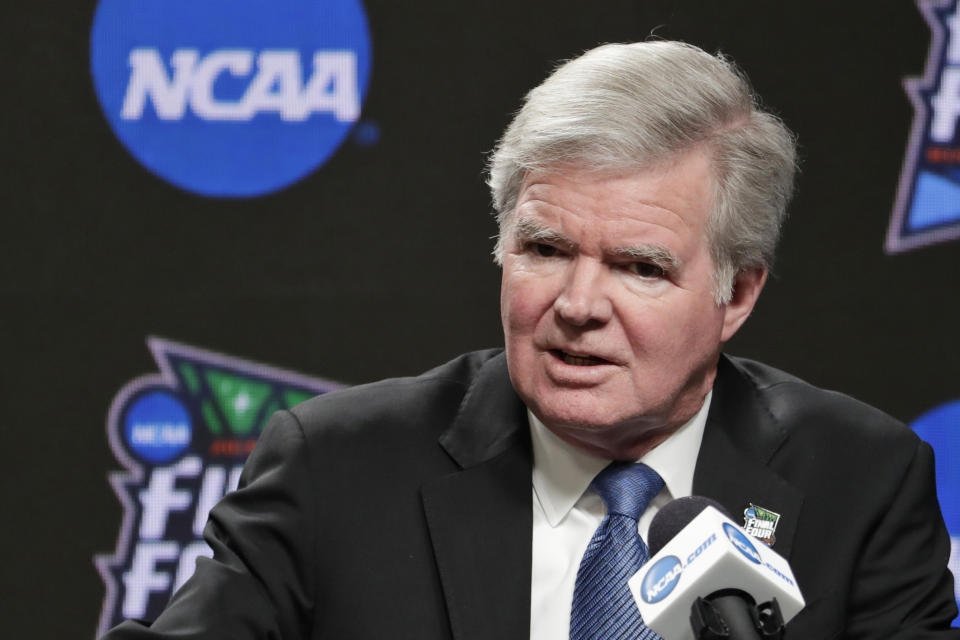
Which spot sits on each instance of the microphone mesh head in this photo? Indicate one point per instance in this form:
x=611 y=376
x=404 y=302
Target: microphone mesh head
x=674 y=516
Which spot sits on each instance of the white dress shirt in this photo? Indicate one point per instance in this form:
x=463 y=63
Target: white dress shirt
x=566 y=512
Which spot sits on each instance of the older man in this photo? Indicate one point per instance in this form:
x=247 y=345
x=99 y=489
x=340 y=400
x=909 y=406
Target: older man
x=640 y=193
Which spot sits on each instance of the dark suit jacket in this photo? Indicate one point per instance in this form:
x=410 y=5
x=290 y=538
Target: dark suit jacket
x=402 y=509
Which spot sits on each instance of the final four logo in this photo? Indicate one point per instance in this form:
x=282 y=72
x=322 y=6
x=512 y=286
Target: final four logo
x=182 y=437
x=927 y=208
x=761 y=523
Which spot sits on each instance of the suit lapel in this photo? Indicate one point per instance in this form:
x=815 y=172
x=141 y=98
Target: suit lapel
x=480 y=517
x=741 y=437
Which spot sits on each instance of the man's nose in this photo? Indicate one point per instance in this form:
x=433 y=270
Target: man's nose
x=583 y=298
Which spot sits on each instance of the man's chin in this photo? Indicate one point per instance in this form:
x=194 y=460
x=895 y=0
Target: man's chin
x=598 y=428
x=588 y=423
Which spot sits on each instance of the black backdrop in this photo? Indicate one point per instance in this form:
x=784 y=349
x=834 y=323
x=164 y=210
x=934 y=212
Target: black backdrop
x=378 y=263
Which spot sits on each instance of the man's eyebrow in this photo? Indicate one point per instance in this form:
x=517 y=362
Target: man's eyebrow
x=530 y=229
x=533 y=230
x=652 y=253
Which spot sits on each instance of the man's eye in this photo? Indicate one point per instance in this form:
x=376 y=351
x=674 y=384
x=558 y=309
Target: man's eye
x=647 y=270
x=542 y=250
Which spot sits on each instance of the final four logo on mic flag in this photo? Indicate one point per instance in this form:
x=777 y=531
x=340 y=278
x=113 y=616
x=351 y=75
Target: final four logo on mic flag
x=182 y=435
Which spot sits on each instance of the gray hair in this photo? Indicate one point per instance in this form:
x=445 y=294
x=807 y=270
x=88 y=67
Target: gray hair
x=633 y=106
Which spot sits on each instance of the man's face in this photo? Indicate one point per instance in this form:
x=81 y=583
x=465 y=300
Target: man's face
x=612 y=331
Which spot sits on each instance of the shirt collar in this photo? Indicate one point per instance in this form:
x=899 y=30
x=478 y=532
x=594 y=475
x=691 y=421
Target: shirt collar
x=562 y=472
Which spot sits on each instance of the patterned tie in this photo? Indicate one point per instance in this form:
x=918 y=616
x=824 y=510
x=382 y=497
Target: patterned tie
x=603 y=607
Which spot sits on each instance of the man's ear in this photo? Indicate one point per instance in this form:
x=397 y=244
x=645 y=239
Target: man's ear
x=746 y=289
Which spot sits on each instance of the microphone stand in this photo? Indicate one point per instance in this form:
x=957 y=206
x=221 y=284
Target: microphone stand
x=731 y=614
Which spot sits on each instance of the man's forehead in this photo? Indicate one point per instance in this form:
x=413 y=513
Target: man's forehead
x=681 y=186
x=657 y=213
x=542 y=220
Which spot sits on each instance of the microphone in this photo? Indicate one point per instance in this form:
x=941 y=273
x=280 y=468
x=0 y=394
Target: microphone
x=706 y=576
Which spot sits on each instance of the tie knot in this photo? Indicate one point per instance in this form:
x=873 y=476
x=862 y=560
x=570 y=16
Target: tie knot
x=627 y=487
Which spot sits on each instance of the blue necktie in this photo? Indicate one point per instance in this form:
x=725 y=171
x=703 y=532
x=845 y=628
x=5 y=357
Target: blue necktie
x=603 y=607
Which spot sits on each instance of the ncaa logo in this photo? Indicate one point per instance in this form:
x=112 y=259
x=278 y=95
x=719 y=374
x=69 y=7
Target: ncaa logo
x=940 y=427
x=741 y=543
x=661 y=578
x=230 y=98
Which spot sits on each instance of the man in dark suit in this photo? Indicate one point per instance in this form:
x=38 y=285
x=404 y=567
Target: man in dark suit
x=640 y=193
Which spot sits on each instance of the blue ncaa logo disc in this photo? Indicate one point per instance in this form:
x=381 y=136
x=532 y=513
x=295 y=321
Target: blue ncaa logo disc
x=231 y=98
x=940 y=427
x=661 y=578
x=157 y=427
x=741 y=543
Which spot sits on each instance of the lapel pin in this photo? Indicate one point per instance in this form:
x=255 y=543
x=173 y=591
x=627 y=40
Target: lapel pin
x=761 y=523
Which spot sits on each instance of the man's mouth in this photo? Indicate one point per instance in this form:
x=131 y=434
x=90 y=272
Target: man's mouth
x=578 y=361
